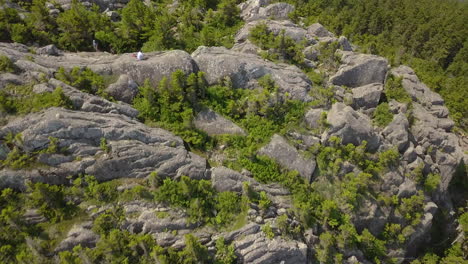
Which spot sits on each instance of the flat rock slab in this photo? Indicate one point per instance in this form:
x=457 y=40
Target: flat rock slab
x=288 y=156
x=214 y=124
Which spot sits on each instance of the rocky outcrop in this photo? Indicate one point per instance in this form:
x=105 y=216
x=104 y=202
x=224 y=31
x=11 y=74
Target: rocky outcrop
x=124 y=89
x=50 y=50
x=351 y=126
x=360 y=69
x=367 y=96
x=256 y=248
x=90 y=103
x=134 y=150
x=244 y=70
x=215 y=124
x=78 y=235
x=313 y=117
x=286 y=155
x=319 y=31
x=397 y=132
x=259 y=9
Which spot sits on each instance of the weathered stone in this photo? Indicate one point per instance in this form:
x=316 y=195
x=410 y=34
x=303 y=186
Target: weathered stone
x=50 y=50
x=345 y=45
x=10 y=78
x=367 y=96
x=79 y=235
x=286 y=155
x=33 y=217
x=244 y=70
x=246 y=47
x=313 y=117
x=317 y=30
x=360 y=69
x=311 y=53
x=397 y=132
x=124 y=89
x=215 y=124
x=416 y=89
x=256 y=248
x=351 y=126
x=90 y=103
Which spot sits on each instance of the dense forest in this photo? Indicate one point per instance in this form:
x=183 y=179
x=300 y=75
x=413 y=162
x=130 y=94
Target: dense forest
x=428 y=35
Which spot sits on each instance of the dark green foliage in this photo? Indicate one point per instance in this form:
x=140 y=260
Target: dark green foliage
x=21 y=100
x=224 y=253
x=51 y=201
x=108 y=221
x=78 y=25
x=171 y=105
x=372 y=247
x=82 y=78
x=394 y=90
x=6 y=65
x=432 y=182
x=200 y=200
x=412 y=208
x=382 y=115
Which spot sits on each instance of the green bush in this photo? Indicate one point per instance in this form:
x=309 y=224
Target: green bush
x=372 y=247
x=394 y=90
x=278 y=47
x=6 y=65
x=51 y=201
x=432 y=182
x=382 y=115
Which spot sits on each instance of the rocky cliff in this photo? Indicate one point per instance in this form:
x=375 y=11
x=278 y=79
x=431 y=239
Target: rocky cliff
x=419 y=133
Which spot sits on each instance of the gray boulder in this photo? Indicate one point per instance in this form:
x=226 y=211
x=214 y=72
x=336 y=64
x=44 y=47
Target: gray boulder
x=257 y=9
x=215 y=124
x=397 y=132
x=124 y=89
x=276 y=11
x=319 y=31
x=250 y=9
x=50 y=50
x=78 y=235
x=345 y=45
x=288 y=156
x=313 y=117
x=351 y=126
x=244 y=70
x=311 y=53
x=367 y=96
x=246 y=47
x=9 y=78
x=33 y=217
x=360 y=69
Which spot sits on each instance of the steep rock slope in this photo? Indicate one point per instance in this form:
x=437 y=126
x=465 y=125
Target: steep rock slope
x=104 y=139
